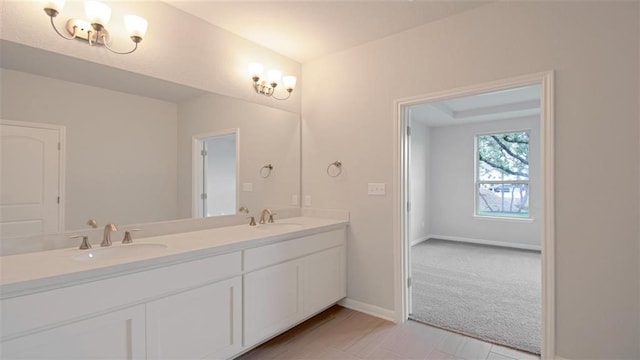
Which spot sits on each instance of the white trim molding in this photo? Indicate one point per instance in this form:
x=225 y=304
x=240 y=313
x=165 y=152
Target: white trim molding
x=369 y=309
x=400 y=236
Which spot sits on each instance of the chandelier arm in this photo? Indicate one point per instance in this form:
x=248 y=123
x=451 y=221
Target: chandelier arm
x=277 y=98
x=53 y=24
x=104 y=41
x=93 y=43
x=255 y=87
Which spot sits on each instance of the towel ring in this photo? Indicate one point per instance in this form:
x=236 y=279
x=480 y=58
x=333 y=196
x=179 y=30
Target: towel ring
x=265 y=171
x=337 y=165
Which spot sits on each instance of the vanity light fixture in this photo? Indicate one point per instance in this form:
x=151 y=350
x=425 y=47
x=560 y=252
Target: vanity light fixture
x=93 y=30
x=267 y=86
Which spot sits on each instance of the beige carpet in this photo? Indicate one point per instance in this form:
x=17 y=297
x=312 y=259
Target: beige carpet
x=486 y=292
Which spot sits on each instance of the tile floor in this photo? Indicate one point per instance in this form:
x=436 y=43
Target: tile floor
x=339 y=333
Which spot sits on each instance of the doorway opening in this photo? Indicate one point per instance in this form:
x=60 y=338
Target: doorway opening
x=215 y=173
x=474 y=182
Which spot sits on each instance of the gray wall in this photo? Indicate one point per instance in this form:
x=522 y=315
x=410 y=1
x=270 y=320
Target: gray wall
x=593 y=48
x=266 y=135
x=419 y=192
x=121 y=160
x=453 y=190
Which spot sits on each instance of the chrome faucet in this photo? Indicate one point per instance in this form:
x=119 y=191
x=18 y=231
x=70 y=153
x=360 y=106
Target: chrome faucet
x=263 y=216
x=106 y=239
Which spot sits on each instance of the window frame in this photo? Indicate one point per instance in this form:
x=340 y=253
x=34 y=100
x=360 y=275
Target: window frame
x=477 y=182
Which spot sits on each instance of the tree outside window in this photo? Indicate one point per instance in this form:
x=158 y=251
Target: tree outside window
x=502 y=175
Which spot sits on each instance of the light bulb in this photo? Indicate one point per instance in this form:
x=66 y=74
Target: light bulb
x=255 y=70
x=56 y=5
x=289 y=82
x=135 y=25
x=97 y=12
x=274 y=76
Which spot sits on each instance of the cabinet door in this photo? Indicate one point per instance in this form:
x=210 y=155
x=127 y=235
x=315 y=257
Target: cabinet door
x=116 y=335
x=196 y=324
x=324 y=279
x=272 y=300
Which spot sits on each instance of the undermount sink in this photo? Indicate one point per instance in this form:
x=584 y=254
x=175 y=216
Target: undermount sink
x=279 y=226
x=119 y=252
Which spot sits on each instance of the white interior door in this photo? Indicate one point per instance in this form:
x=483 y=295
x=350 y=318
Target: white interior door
x=30 y=176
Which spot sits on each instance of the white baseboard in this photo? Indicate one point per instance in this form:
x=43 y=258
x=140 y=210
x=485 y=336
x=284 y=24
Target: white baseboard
x=419 y=240
x=369 y=309
x=487 y=242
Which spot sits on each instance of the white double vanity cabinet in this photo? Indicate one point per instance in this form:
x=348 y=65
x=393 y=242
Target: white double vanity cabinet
x=210 y=294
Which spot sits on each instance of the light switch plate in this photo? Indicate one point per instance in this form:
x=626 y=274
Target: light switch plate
x=376 y=189
x=307 y=200
x=294 y=199
x=247 y=186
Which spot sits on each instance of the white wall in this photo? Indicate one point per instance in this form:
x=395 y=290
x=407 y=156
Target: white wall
x=593 y=47
x=121 y=149
x=453 y=188
x=178 y=47
x=419 y=170
x=267 y=135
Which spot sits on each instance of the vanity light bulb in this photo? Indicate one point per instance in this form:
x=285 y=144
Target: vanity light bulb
x=289 y=82
x=274 y=76
x=135 y=25
x=97 y=12
x=255 y=70
x=56 y=5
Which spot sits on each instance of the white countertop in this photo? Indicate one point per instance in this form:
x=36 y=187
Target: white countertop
x=40 y=271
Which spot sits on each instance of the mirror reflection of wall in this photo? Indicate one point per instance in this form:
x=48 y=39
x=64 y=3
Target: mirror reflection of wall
x=268 y=136
x=128 y=157
x=121 y=149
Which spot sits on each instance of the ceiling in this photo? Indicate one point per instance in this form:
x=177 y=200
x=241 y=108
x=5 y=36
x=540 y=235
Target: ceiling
x=306 y=30
x=496 y=105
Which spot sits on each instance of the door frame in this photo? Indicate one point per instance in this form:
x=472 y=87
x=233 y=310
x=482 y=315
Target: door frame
x=196 y=169
x=62 y=130
x=400 y=198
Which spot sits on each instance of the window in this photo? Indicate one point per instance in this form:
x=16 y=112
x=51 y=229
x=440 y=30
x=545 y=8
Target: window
x=502 y=175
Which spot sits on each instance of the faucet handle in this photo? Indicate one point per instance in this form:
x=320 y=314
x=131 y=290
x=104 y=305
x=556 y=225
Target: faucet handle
x=93 y=223
x=252 y=222
x=243 y=209
x=85 y=241
x=127 y=236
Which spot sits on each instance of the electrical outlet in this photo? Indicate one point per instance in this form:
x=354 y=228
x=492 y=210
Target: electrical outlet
x=247 y=186
x=376 y=189
x=294 y=199
x=307 y=200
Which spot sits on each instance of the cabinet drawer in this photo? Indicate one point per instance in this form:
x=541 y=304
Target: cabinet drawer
x=26 y=313
x=263 y=256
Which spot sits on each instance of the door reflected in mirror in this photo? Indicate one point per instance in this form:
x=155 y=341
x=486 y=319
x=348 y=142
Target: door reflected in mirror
x=216 y=173
x=129 y=141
